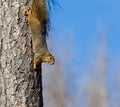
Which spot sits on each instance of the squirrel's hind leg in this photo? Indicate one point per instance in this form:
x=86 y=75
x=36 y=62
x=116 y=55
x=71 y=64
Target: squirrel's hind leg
x=26 y=12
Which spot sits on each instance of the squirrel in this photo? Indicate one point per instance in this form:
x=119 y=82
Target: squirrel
x=37 y=17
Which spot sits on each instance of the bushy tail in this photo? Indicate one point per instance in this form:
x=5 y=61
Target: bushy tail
x=42 y=8
x=53 y=4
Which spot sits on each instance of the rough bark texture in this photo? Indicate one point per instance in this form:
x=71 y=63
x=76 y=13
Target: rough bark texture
x=20 y=85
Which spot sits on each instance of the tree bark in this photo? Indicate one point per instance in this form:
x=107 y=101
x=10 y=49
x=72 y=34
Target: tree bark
x=20 y=85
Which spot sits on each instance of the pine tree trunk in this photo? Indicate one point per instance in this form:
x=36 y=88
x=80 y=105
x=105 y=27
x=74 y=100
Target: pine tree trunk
x=20 y=85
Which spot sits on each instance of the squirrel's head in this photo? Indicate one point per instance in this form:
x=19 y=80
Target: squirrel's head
x=49 y=58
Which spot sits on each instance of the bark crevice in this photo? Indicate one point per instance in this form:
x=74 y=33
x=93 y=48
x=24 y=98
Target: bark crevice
x=20 y=85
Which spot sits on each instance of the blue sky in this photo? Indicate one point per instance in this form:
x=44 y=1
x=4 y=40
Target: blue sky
x=85 y=21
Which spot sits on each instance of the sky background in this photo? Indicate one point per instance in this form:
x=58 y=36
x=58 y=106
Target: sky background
x=78 y=28
x=85 y=21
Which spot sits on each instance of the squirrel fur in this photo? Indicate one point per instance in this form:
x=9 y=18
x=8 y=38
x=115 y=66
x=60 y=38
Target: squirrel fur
x=37 y=18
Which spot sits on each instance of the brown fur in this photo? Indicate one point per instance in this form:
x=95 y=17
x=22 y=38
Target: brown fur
x=37 y=19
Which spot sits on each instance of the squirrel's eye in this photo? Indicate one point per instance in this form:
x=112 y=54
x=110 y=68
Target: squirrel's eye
x=50 y=58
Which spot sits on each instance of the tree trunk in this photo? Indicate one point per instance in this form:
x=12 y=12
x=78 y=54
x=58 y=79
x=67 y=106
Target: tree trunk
x=20 y=85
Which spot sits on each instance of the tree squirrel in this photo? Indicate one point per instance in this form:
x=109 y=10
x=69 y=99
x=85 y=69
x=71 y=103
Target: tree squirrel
x=37 y=17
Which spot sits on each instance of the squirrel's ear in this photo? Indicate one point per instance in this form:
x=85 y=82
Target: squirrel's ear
x=47 y=54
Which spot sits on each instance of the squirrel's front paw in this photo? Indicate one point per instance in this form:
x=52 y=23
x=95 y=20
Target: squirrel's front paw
x=34 y=66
